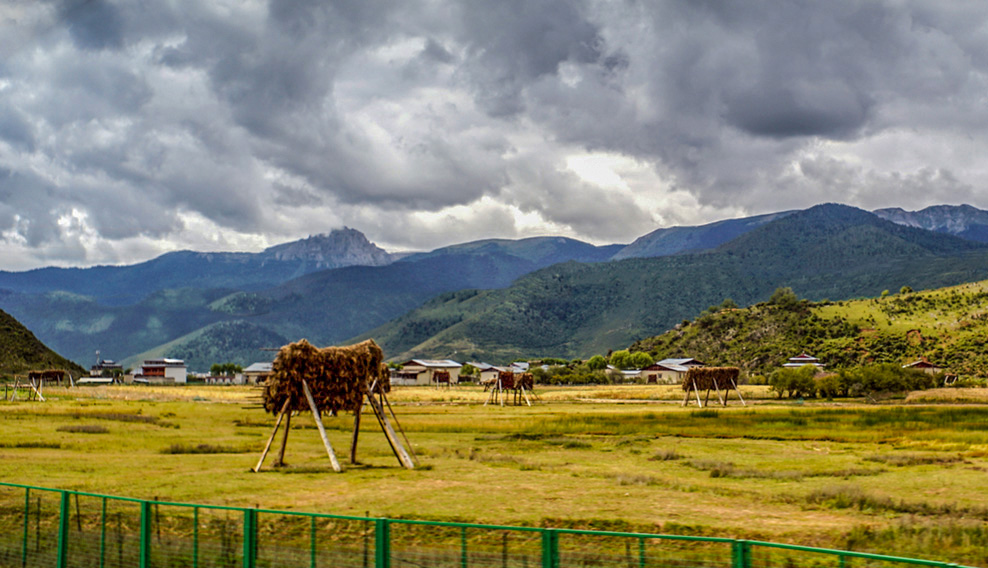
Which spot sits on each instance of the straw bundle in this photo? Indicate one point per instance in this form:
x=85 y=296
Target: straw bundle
x=441 y=377
x=337 y=376
x=524 y=381
x=711 y=378
x=507 y=379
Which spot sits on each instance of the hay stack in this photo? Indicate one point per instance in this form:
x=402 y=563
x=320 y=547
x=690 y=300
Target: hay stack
x=524 y=381
x=441 y=377
x=337 y=376
x=711 y=378
x=507 y=380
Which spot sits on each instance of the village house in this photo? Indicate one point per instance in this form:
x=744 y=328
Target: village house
x=486 y=372
x=106 y=368
x=925 y=366
x=422 y=372
x=801 y=360
x=162 y=371
x=257 y=373
x=669 y=371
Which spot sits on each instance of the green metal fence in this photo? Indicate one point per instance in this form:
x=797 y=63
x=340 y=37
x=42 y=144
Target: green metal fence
x=42 y=527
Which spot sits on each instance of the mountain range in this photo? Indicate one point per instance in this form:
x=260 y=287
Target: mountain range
x=575 y=310
x=488 y=299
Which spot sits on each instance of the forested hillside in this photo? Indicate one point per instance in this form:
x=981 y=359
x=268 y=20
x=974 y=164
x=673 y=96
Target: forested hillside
x=20 y=351
x=949 y=327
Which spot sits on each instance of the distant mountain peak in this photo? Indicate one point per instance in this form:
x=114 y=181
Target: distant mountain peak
x=339 y=247
x=963 y=220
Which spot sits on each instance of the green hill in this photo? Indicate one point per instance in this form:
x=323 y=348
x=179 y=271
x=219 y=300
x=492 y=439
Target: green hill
x=20 y=351
x=576 y=310
x=947 y=326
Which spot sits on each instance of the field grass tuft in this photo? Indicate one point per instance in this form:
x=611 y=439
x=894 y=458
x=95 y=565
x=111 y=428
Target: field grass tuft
x=83 y=429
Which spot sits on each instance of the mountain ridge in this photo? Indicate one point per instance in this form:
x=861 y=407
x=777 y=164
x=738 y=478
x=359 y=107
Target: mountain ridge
x=572 y=310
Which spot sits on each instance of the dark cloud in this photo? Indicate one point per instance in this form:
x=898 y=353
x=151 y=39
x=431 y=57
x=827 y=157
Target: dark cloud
x=124 y=126
x=94 y=24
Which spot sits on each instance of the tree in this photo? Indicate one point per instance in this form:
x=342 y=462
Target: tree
x=225 y=369
x=597 y=363
x=641 y=360
x=622 y=359
x=905 y=290
x=469 y=370
x=794 y=382
x=784 y=297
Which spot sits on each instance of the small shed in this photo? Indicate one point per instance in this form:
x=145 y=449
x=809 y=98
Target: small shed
x=925 y=366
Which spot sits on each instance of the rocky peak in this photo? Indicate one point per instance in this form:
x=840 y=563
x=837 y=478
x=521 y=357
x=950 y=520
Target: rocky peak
x=952 y=219
x=341 y=247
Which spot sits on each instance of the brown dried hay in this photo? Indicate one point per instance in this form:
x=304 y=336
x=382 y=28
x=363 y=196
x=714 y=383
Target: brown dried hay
x=524 y=381
x=711 y=378
x=338 y=377
x=440 y=377
x=48 y=374
x=507 y=379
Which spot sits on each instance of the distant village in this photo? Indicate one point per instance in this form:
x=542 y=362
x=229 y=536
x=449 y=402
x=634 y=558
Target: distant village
x=424 y=372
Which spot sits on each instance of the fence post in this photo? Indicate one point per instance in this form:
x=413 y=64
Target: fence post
x=250 y=537
x=550 y=548
x=741 y=553
x=145 y=558
x=27 y=518
x=63 y=530
x=382 y=543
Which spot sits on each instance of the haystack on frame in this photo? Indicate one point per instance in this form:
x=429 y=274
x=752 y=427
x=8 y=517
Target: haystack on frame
x=331 y=379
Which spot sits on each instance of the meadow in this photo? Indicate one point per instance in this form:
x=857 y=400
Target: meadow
x=904 y=477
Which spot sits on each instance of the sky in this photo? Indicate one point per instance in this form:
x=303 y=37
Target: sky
x=136 y=127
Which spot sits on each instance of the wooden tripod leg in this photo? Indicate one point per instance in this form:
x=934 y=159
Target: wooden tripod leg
x=322 y=429
x=267 y=446
x=401 y=430
x=686 y=399
x=526 y=396
x=737 y=390
x=389 y=433
x=280 y=462
x=706 y=399
x=696 y=389
x=356 y=431
x=722 y=401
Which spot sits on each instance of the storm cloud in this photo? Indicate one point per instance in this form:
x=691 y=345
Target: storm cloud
x=131 y=128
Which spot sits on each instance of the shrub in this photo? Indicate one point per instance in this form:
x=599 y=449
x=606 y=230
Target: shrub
x=793 y=382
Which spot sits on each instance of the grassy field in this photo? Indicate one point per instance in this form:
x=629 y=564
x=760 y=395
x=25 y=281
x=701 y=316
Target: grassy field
x=906 y=479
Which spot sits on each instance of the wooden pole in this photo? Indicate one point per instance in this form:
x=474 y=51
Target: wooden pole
x=280 y=462
x=686 y=399
x=739 y=393
x=322 y=430
x=267 y=446
x=38 y=392
x=389 y=432
x=356 y=431
x=696 y=389
x=526 y=396
x=401 y=430
x=717 y=388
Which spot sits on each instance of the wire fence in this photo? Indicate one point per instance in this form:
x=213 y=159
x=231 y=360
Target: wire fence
x=41 y=527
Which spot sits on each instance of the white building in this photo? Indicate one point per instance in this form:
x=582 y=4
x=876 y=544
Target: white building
x=161 y=371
